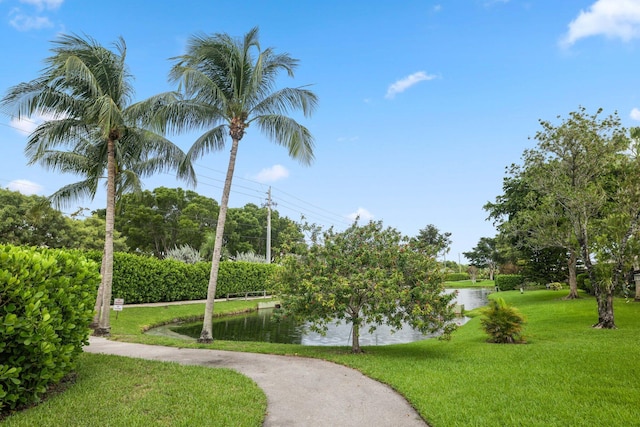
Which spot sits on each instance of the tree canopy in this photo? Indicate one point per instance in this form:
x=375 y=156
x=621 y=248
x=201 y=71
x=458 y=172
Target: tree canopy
x=366 y=275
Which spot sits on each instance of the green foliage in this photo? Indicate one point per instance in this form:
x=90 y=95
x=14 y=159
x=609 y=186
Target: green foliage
x=584 y=283
x=156 y=221
x=136 y=392
x=365 y=275
x=503 y=323
x=555 y=286
x=250 y=257
x=506 y=282
x=31 y=221
x=455 y=277
x=485 y=254
x=46 y=305
x=184 y=253
x=145 y=279
x=431 y=241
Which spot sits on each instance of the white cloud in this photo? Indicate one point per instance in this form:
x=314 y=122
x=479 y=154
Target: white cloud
x=27 y=125
x=610 y=18
x=274 y=173
x=25 y=187
x=361 y=214
x=405 y=83
x=44 y=4
x=22 y=22
x=635 y=114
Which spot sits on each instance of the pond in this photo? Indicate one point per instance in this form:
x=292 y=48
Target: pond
x=258 y=326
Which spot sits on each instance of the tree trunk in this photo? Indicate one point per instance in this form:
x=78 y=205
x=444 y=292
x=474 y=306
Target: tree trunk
x=97 y=309
x=104 y=327
x=355 y=338
x=207 y=325
x=605 y=308
x=573 y=281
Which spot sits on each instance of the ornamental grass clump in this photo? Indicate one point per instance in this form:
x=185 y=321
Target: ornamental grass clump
x=503 y=323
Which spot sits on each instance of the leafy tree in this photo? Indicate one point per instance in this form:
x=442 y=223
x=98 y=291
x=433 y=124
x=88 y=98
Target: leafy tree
x=227 y=85
x=88 y=234
x=86 y=88
x=365 y=275
x=432 y=241
x=160 y=220
x=590 y=174
x=244 y=232
x=533 y=222
x=31 y=221
x=485 y=255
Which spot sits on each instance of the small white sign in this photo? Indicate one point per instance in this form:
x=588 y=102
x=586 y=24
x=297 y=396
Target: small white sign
x=117 y=304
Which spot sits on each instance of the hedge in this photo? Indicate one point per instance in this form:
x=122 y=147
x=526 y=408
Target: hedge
x=456 y=277
x=142 y=279
x=506 y=282
x=46 y=305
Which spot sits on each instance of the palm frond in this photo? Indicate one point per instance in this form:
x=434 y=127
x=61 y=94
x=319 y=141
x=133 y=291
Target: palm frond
x=287 y=100
x=65 y=196
x=288 y=133
x=211 y=140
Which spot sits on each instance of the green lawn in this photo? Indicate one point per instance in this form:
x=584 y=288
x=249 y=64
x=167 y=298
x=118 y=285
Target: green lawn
x=568 y=374
x=469 y=284
x=119 y=391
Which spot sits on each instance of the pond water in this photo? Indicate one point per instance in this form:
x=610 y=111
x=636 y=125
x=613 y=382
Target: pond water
x=258 y=326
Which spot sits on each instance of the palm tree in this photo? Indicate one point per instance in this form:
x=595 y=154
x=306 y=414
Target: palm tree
x=225 y=85
x=86 y=88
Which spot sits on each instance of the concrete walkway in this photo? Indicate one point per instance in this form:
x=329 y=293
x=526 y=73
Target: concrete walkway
x=300 y=391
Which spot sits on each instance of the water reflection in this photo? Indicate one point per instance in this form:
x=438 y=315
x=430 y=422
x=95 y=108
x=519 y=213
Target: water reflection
x=257 y=326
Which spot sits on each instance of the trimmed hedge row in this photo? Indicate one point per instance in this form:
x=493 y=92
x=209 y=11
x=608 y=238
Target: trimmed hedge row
x=456 y=277
x=46 y=305
x=140 y=279
x=506 y=282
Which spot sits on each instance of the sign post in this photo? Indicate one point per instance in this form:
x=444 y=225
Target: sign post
x=118 y=304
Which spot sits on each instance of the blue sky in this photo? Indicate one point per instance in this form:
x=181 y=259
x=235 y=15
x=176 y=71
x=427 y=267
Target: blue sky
x=422 y=103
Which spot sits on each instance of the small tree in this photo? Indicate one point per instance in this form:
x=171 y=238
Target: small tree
x=365 y=275
x=502 y=323
x=485 y=255
x=473 y=273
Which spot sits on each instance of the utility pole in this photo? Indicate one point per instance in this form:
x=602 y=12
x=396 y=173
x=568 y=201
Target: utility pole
x=269 y=204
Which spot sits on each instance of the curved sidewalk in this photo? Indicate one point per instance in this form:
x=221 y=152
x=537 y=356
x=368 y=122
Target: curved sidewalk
x=300 y=391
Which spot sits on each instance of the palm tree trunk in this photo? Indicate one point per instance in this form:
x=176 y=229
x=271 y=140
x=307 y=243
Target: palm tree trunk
x=206 y=335
x=97 y=309
x=104 y=328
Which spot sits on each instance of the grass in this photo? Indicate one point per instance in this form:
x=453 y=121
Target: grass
x=118 y=391
x=469 y=284
x=568 y=374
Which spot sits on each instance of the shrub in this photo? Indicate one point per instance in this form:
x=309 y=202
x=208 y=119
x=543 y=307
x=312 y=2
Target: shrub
x=46 y=305
x=507 y=282
x=456 y=277
x=502 y=323
x=144 y=279
x=584 y=283
x=555 y=286
x=250 y=257
x=184 y=253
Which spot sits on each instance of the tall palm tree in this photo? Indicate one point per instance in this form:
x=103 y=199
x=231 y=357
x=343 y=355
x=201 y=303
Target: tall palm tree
x=87 y=90
x=225 y=85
